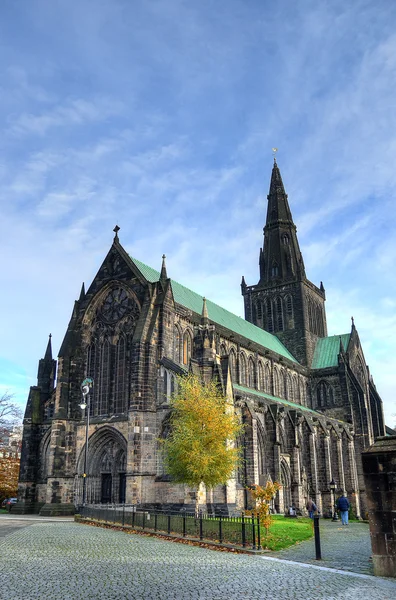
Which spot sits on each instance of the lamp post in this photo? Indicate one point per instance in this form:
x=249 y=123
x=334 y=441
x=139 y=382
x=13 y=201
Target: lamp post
x=333 y=487
x=86 y=404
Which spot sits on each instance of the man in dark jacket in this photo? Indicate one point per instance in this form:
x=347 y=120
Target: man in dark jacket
x=343 y=506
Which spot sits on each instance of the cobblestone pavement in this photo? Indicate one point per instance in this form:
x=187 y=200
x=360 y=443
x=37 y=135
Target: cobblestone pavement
x=69 y=561
x=343 y=547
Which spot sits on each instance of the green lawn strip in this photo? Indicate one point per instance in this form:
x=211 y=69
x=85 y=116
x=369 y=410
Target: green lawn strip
x=285 y=532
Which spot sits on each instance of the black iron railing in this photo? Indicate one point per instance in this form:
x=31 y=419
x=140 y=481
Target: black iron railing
x=241 y=531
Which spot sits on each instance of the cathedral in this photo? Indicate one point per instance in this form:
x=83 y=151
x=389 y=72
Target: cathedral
x=307 y=400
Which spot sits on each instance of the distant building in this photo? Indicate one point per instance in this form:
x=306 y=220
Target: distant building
x=11 y=441
x=307 y=400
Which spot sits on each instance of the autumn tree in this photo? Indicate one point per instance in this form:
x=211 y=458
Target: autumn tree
x=9 y=473
x=262 y=497
x=10 y=414
x=200 y=447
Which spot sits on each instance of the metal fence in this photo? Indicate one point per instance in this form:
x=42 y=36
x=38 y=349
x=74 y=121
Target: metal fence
x=237 y=531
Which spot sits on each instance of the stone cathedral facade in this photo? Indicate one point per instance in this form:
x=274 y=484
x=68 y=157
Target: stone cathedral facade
x=307 y=400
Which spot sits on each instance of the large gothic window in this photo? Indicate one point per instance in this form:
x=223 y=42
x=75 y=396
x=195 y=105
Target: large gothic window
x=107 y=330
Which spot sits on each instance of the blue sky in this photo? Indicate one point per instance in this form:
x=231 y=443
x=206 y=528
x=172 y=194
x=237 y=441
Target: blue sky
x=160 y=116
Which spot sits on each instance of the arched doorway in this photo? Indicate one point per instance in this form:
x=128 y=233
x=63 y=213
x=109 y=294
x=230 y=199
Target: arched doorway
x=106 y=468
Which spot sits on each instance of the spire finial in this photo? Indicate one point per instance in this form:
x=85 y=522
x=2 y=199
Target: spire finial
x=48 y=352
x=274 y=151
x=116 y=230
x=164 y=275
x=353 y=322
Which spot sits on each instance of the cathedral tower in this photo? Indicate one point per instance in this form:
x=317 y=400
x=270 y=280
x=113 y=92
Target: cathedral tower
x=285 y=302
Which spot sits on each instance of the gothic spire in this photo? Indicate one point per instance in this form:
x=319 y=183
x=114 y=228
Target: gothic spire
x=48 y=352
x=281 y=260
x=278 y=206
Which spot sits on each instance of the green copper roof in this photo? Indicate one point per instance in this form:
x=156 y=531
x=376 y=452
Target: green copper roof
x=240 y=388
x=327 y=350
x=217 y=314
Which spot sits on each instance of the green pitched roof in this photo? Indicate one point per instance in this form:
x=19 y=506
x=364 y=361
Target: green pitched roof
x=241 y=388
x=327 y=351
x=217 y=314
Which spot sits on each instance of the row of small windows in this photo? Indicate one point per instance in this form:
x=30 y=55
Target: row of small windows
x=273 y=313
x=283 y=384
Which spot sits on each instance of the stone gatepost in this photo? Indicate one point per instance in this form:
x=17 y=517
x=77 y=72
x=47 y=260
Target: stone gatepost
x=379 y=468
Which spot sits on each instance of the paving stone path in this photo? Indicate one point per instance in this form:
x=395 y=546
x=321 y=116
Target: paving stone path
x=69 y=561
x=343 y=547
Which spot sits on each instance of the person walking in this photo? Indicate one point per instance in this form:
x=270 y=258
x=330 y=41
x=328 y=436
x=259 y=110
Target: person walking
x=343 y=505
x=311 y=508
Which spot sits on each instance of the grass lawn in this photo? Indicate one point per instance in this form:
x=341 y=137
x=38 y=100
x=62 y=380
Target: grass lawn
x=285 y=532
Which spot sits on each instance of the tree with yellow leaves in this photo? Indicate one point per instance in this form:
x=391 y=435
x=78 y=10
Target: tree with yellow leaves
x=9 y=473
x=262 y=497
x=200 y=447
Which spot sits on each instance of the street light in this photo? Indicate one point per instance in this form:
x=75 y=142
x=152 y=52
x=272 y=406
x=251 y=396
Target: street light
x=333 y=487
x=86 y=404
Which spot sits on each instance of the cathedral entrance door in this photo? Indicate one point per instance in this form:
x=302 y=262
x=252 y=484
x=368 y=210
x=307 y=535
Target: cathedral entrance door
x=106 y=488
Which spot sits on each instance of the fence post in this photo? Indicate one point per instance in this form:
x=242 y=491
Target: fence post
x=243 y=531
x=155 y=521
x=258 y=534
x=220 y=530
x=169 y=524
x=123 y=515
x=144 y=518
x=184 y=525
x=317 y=537
x=133 y=515
x=200 y=526
x=253 y=534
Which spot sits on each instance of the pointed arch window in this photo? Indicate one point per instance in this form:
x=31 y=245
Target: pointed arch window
x=276 y=382
x=270 y=320
x=267 y=379
x=233 y=365
x=223 y=350
x=251 y=374
x=242 y=369
x=274 y=270
x=176 y=344
x=187 y=345
x=260 y=378
x=285 y=239
x=279 y=314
